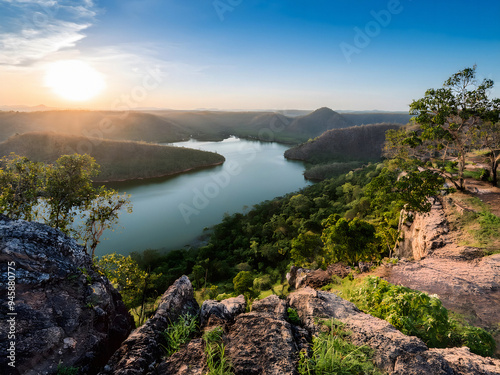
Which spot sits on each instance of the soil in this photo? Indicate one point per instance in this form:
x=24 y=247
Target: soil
x=466 y=281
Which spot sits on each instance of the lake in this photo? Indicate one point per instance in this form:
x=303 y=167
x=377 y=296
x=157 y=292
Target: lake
x=173 y=212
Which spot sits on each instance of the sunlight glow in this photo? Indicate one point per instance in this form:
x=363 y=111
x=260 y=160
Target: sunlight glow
x=74 y=80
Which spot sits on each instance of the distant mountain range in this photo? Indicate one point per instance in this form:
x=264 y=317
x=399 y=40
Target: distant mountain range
x=173 y=126
x=25 y=108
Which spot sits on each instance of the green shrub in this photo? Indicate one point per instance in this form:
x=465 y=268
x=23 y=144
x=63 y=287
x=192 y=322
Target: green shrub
x=262 y=283
x=293 y=316
x=417 y=314
x=179 y=333
x=331 y=353
x=63 y=370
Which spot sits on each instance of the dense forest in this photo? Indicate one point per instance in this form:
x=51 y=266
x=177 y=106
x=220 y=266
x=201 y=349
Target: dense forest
x=118 y=160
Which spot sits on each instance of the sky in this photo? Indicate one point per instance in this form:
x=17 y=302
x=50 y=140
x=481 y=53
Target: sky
x=241 y=54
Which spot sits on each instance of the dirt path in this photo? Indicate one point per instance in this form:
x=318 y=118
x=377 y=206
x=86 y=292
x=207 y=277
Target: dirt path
x=466 y=282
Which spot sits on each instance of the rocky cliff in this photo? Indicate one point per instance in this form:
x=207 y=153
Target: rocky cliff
x=465 y=281
x=63 y=311
x=69 y=314
x=265 y=341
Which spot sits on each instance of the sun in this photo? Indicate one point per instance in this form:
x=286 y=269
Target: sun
x=74 y=80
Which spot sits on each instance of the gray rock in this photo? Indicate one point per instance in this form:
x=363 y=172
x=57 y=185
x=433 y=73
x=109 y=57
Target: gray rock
x=271 y=305
x=225 y=310
x=259 y=344
x=61 y=315
x=141 y=352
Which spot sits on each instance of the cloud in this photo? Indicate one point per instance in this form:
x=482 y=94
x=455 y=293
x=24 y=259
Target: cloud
x=33 y=29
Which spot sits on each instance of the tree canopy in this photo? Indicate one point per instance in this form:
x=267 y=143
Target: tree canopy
x=58 y=193
x=446 y=123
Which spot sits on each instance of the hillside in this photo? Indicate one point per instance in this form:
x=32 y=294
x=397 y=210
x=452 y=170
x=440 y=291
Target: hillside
x=364 y=118
x=354 y=143
x=119 y=160
x=132 y=126
x=173 y=126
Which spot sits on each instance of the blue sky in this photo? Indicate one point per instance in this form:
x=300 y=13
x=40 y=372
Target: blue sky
x=248 y=54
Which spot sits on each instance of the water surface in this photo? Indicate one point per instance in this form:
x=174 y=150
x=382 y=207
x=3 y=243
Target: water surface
x=170 y=213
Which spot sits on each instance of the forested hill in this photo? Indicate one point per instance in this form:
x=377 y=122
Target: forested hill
x=360 y=143
x=119 y=160
x=173 y=126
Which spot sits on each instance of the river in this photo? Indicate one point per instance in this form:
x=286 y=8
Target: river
x=173 y=212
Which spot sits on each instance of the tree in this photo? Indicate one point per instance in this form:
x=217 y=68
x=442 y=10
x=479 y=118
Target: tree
x=449 y=116
x=307 y=248
x=21 y=182
x=243 y=282
x=349 y=241
x=130 y=280
x=101 y=214
x=489 y=138
x=69 y=188
x=56 y=194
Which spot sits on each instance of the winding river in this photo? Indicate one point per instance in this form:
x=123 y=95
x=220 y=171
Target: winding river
x=173 y=212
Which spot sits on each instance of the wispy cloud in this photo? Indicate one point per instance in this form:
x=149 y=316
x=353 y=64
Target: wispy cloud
x=33 y=29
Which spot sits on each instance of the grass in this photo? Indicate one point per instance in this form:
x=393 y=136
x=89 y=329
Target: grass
x=332 y=353
x=414 y=313
x=281 y=290
x=215 y=349
x=179 y=333
x=479 y=227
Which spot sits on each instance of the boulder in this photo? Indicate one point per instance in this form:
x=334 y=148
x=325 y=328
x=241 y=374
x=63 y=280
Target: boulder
x=141 y=352
x=395 y=353
x=66 y=312
x=422 y=233
x=300 y=277
x=225 y=310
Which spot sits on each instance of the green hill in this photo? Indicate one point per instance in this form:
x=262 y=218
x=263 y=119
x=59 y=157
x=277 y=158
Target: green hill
x=339 y=150
x=119 y=160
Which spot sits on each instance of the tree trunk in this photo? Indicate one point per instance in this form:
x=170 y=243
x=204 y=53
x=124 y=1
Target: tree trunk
x=495 y=160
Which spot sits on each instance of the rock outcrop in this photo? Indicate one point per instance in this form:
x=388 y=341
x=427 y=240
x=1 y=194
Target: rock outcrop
x=141 y=352
x=66 y=312
x=300 y=277
x=265 y=342
x=422 y=233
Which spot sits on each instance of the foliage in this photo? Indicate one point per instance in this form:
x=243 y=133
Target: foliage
x=57 y=194
x=101 y=214
x=417 y=314
x=307 y=249
x=331 y=353
x=135 y=285
x=21 y=183
x=69 y=188
x=449 y=120
x=179 y=333
x=243 y=282
x=217 y=362
x=349 y=241
x=293 y=316
x=64 y=370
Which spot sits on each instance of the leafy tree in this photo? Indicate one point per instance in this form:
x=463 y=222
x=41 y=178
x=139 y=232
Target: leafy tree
x=69 y=188
x=21 y=182
x=57 y=194
x=307 y=248
x=101 y=214
x=243 y=282
x=349 y=241
x=130 y=280
x=488 y=136
x=448 y=118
